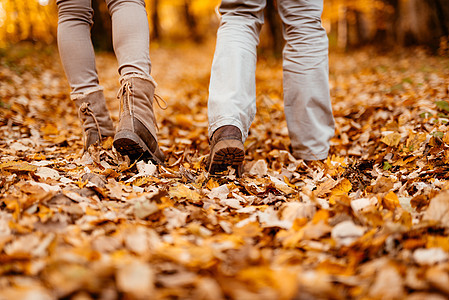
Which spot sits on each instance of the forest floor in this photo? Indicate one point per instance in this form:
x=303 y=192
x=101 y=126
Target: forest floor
x=370 y=222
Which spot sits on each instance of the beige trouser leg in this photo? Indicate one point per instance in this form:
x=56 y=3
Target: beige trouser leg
x=232 y=92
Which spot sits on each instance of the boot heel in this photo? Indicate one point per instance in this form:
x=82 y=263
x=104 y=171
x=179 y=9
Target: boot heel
x=128 y=143
x=227 y=153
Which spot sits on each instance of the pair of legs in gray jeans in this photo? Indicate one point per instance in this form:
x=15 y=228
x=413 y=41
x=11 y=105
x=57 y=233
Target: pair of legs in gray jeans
x=232 y=90
x=130 y=39
x=136 y=132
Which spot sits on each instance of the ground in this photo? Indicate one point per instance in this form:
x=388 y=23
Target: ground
x=370 y=222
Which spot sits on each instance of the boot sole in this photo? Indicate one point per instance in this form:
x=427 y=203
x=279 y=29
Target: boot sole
x=128 y=143
x=227 y=153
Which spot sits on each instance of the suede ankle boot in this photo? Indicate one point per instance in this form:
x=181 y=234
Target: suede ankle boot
x=136 y=131
x=226 y=149
x=94 y=115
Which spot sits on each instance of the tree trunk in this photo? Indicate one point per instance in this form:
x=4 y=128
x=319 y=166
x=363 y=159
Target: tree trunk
x=156 y=34
x=423 y=22
x=191 y=22
x=275 y=28
x=342 y=30
x=102 y=28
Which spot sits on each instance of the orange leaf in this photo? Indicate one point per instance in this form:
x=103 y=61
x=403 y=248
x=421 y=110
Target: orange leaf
x=391 y=201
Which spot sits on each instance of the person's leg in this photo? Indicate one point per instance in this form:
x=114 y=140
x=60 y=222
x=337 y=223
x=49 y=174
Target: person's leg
x=131 y=36
x=136 y=131
x=78 y=59
x=75 y=45
x=307 y=102
x=232 y=89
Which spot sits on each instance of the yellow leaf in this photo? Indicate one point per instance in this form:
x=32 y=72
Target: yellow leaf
x=342 y=188
x=18 y=166
x=391 y=139
x=294 y=187
x=415 y=140
x=212 y=184
x=44 y=213
x=391 y=201
x=19 y=228
x=290 y=239
x=82 y=184
x=181 y=191
x=250 y=230
x=38 y=156
x=49 y=129
x=336 y=268
x=335 y=164
x=13 y=204
x=184 y=121
x=321 y=215
x=140 y=181
x=92 y=212
x=402 y=162
x=438 y=242
x=285 y=281
x=107 y=143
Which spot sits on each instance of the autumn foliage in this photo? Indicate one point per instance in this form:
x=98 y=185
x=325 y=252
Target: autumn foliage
x=369 y=222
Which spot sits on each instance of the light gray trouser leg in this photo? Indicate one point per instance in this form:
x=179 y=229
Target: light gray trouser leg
x=307 y=102
x=232 y=89
x=232 y=99
x=130 y=38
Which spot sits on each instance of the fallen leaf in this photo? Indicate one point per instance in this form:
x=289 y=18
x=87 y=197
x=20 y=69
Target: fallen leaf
x=347 y=232
x=45 y=172
x=136 y=279
x=391 y=139
x=18 y=166
x=259 y=168
x=438 y=210
x=430 y=256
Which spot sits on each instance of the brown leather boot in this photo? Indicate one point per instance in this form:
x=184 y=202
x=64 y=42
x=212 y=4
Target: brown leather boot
x=226 y=149
x=94 y=116
x=136 y=131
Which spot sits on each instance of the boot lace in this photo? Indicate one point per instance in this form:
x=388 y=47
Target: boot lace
x=159 y=98
x=126 y=89
x=86 y=110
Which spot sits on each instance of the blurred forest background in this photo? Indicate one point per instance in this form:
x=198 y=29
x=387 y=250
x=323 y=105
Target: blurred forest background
x=350 y=23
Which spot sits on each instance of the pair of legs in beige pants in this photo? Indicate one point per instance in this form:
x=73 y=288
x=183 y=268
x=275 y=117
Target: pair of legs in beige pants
x=136 y=133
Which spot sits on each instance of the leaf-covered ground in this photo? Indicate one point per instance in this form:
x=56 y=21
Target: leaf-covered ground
x=370 y=222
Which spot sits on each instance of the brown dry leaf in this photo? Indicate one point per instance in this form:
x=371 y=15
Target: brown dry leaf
x=136 y=279
x=326 y=187
x=44 y=173
x=370 y=221
x=144 y=208
x=438 y=210
x=391 y=139
x=259 y=168
x=438 y=278
x=388 y=284
x=18 y=166
x=181 y=191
